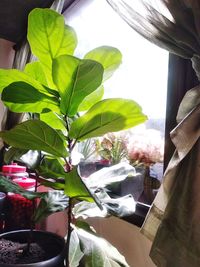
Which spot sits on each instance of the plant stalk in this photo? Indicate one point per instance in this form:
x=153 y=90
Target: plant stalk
x=69 y=217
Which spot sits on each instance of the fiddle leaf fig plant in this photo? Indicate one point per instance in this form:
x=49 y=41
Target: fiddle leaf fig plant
x=64 y=95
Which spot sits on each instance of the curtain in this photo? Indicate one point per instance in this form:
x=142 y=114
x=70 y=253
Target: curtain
x=173 y=220
x=181 y=78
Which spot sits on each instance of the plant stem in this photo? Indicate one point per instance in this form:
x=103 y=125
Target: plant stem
x=69 y=216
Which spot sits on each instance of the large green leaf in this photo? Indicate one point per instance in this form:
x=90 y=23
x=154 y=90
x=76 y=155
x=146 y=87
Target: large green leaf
x=108 y=115
x=10 y=76
x=35 y=70
x=91 y=99
x=119 y=207
x=76 y=188
x=109 y=57
x=7 y=185
x=106 y=177
x=22 y=97
x=97 y=251
x=75 y=80
x=51 y=202
x=75 y=253
x=35 y=135
x=53 y=120
x=49 y=38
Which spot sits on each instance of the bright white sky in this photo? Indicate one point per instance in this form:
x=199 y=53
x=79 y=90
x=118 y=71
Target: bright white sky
x=143 y=73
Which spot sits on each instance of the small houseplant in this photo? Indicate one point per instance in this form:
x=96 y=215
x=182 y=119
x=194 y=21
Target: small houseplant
x=63 y=96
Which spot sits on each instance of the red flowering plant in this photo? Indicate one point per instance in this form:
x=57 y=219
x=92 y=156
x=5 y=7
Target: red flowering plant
x=145 y=148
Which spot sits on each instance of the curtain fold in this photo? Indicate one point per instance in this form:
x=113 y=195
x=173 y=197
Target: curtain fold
x=173 y=220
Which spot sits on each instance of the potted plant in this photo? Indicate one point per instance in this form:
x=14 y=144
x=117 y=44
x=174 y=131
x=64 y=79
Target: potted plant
x=63 y=96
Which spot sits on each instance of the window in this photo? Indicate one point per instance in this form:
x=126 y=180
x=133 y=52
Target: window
x=142 y=77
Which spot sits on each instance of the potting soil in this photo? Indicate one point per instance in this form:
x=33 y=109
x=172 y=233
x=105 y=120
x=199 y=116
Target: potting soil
x=15 y=253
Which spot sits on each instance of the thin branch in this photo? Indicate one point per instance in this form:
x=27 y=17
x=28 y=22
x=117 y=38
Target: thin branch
x=69 y=216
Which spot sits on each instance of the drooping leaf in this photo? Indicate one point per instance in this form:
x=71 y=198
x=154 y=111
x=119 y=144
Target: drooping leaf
x=35 y=70
x=97 y=251
x=51 y=183
x=109 y=57
x=51 y=202
x=31 y=159
x=110 y=175
x=119 y=206
x=51 y=168
x=35 y=135
x=75 y=80
x=10 y=76
x=23 y=97
x=75 y=253
x=91 y=99
x=75 y=187
x=7 y=185
x=108 y=115
x=53 y=120
x=49 y=38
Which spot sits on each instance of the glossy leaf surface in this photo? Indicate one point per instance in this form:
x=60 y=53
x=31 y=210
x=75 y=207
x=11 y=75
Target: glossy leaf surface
x=109 y=57
x=97 y=251
x=53 y=120
x=35 y=135
x=75 y=187
x=75 y=79
x=10 y=76
x=50 y=38
x=91 y=99
x=35 y=70
x=108 y=115
x=51 y=168
x=22 y=97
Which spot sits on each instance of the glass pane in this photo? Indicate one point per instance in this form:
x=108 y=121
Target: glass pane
x=142 y=77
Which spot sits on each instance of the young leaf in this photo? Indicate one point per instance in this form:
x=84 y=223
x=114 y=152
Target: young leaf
x=51 y=202
x=53 y=120
x=35 y=135
x=75 y=187
x=109 y=57
x=97 y=251
x=108 y=115
x=75 y=80
x=49 y=38
x=22 y=97
x=35 y=70
x=91 y=99
x=51 y=168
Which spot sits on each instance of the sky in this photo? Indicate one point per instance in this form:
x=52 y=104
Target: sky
x=142 y=75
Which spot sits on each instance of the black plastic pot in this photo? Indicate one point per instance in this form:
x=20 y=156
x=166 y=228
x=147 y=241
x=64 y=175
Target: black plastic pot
x=50 y=242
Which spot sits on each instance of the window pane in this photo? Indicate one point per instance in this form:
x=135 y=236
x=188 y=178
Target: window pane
x=142 y=76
